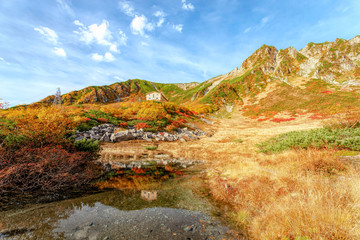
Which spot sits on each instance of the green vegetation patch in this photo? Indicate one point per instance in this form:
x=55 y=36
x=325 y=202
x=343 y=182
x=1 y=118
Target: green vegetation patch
x=347 y=138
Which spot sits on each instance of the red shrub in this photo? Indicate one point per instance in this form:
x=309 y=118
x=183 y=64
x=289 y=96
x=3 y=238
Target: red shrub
x=142 y=125
x=327 y=92
x=318 y=116
x=85 y=119
x=123 y=125
x=102 y=120
x=47 y=169
x=282 y=119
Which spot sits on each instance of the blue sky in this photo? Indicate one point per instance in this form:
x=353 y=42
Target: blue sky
x=72 y=44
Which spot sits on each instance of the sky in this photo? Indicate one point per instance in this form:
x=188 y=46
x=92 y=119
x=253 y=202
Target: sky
x=72 y=44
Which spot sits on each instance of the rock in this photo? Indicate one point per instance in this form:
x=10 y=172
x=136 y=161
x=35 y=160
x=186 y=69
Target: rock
x=105 y=137
x=121 y=136
x=182 y=140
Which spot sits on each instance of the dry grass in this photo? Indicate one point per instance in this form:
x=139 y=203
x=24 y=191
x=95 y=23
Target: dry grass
x=299 y=195
x=292 y=195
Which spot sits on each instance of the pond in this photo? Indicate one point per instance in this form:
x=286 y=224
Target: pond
x=141 y=203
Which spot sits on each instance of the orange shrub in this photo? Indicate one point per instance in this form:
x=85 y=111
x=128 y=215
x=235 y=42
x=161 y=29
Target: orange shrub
x=142 y=125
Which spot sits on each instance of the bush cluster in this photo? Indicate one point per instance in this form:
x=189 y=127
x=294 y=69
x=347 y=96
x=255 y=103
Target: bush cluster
x=346 y=138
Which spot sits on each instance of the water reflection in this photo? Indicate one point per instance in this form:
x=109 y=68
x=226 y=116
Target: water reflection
x=103 y=212
x=149 y=195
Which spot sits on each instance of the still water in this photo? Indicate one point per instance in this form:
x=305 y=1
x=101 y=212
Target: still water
x=138 y=207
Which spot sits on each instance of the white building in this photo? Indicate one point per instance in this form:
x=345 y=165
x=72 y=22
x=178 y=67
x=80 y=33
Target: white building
x=155 y=96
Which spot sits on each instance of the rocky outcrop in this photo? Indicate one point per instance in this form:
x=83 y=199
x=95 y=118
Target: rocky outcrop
x=111 y=133
x=334 y=62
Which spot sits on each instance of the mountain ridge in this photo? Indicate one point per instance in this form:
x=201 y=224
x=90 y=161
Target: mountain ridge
x=336 y=63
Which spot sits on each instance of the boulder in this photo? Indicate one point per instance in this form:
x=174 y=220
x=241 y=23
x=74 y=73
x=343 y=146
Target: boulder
x=121 y=136
x=105 y=137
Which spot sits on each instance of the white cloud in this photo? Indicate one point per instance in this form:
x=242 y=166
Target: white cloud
x=140 y=24
x=48 y=33
x=144 y=44
x=97 y=57
x=161 y=15
x=178 y=27
x=127 y=8
x=187 y=6
x=114 y=48
x=108 y=57
x=60 y=52
x=122 y=38
x=78 y=23
x=100 y=34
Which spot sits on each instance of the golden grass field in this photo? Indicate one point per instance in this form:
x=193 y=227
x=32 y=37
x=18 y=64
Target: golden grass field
x=303 y=194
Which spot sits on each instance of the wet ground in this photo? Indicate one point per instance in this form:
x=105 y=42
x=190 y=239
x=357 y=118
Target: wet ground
x=165 y=207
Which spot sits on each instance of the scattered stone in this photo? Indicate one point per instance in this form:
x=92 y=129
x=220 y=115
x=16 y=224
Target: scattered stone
x=106 y=133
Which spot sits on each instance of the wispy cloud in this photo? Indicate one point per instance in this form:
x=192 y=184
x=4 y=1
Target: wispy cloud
x=140 y=24
x=247 y=30
x=48 y=33
x=127 y=8
x=63 y=4
x=161 y=15
x=258 y=26
x=60 y=52
x=264 y=21
x=178 y=27
x=187 y=6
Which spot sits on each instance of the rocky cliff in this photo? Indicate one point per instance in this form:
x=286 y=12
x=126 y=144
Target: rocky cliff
x=336 y=63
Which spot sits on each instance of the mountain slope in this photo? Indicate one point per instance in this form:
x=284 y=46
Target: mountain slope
x=131 y=90
x=336 y=64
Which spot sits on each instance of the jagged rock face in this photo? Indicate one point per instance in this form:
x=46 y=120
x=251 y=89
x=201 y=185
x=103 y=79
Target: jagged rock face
x=335 y=62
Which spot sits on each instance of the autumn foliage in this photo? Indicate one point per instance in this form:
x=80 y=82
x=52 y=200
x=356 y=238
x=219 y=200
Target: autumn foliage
x=37 y=153
x=47 y=169
x=37 y=150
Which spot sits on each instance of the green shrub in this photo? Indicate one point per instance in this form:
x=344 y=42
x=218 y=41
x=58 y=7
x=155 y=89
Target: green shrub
x=87 y=145
x=152 y=147
x=97 y=114
x=347 y=138
x=86 y=126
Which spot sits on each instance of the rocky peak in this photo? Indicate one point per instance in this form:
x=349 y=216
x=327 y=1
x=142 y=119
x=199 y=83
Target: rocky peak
x=263 y=54
x=355 y=40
